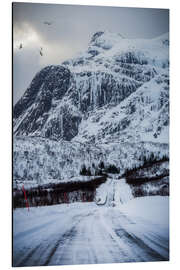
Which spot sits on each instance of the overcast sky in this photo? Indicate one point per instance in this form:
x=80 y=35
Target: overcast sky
x=70 y=32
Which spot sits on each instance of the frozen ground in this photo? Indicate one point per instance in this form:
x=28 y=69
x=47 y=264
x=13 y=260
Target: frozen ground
x=85 y=233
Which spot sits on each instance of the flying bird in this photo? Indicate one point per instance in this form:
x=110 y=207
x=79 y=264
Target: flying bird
x=48 y=23
x=41 y=51
x=20 y=46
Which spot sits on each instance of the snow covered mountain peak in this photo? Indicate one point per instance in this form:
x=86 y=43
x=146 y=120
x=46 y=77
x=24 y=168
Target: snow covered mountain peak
x=105 y=39
x=63 y=101
x=107 y=50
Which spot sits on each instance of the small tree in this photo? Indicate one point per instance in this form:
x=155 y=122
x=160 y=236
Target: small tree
x=101 y=165
x=152 y=157
x=83 y=171
x=88 y=172
x=98 y=172
x=112 y=169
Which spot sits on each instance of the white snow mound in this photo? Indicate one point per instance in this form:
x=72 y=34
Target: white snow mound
x=152 y=208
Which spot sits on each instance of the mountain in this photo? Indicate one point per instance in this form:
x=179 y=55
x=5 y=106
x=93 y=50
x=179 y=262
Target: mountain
x=114 y=98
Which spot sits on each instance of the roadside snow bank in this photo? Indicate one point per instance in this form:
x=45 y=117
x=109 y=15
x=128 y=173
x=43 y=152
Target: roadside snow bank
x=122 y=192
x=45 y=217
x=153 y=208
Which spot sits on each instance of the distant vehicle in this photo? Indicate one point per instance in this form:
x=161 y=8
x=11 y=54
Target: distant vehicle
x=47 y=23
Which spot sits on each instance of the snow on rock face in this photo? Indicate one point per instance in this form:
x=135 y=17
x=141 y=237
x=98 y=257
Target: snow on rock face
x=111 y=69
x=105 y=40
x=33 y=109
x=53 y=79
x=63 y=122
x=143 y=116
x=96 y=89
x=114 y=96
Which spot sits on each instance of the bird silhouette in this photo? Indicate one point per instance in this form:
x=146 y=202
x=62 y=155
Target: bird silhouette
x=41 y=51
x=47 y=23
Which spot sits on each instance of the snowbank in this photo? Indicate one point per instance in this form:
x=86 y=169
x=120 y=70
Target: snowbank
x=28 y=221
x=153 y=208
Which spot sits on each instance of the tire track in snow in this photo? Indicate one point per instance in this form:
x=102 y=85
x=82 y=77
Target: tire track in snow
x=59 y=254
x=94 y=235
x=137 y=248
x=108 y=249
x=63 y=241
x=23 y=262
x=43 y=252
x=139 y=245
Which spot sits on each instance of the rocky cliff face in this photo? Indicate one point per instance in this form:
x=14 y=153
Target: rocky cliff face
x=111 y=69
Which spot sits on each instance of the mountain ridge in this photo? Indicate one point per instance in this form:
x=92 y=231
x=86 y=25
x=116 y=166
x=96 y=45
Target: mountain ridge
x=60 y=97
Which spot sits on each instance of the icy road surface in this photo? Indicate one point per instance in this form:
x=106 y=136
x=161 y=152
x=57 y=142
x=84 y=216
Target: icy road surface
x=84 y=233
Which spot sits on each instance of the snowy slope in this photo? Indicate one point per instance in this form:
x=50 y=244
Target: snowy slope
x=40 y=161
x=158 y=215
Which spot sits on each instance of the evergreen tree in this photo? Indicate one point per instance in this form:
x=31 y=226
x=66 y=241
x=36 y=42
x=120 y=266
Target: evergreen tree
x=83 y=170
x=112 y=169
x=88 y=172
x=101 y=165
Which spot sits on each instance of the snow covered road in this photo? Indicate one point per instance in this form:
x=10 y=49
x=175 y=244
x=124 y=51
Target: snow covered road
x=84 y=233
